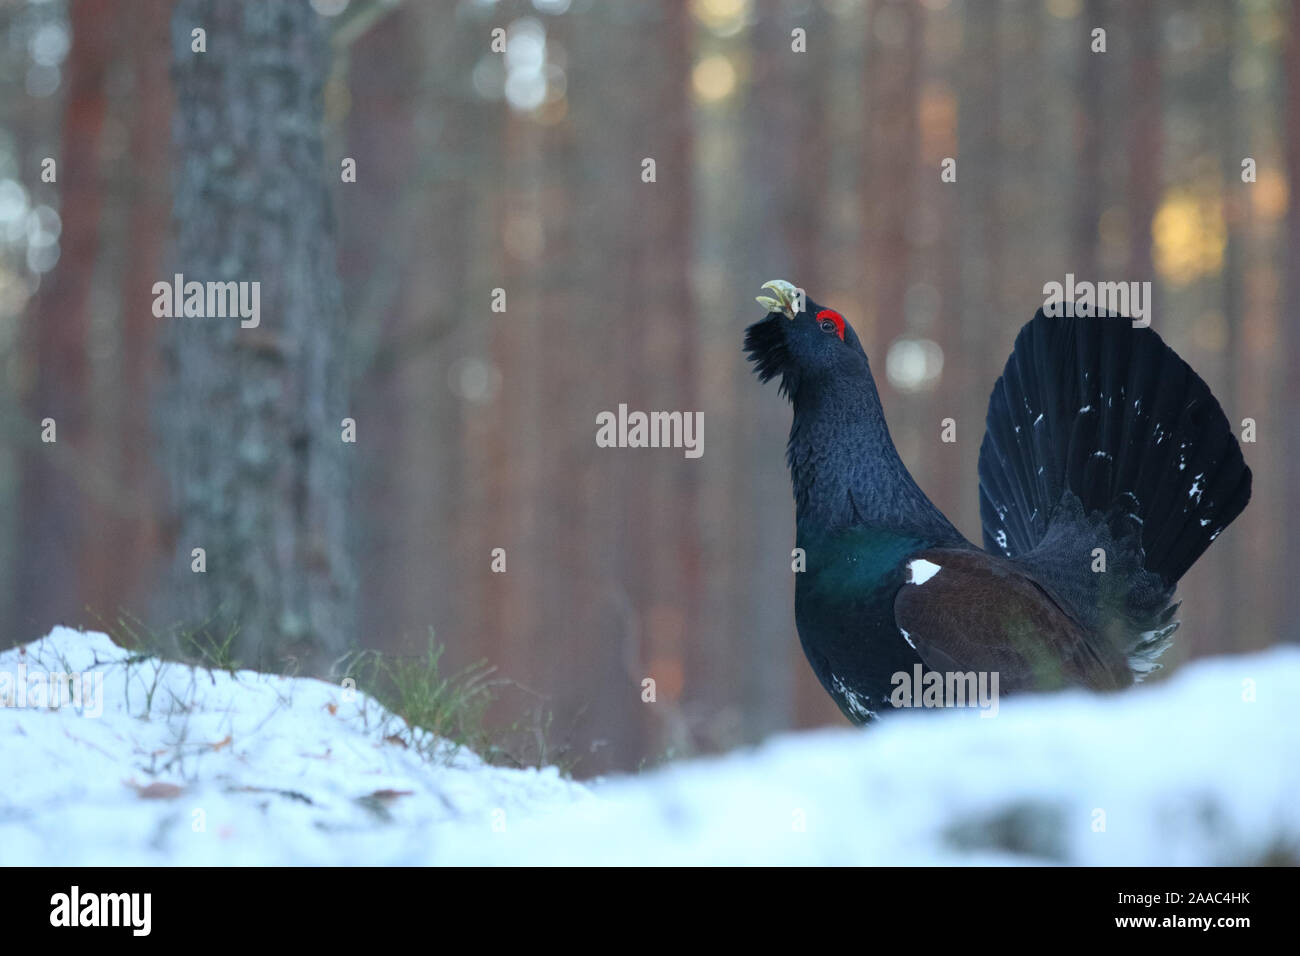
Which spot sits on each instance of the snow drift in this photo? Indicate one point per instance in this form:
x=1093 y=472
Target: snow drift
x=176 y=765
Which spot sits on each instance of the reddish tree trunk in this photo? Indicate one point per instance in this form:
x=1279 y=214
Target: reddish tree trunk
x=1089 y=137
x=50 y=578
x=1289 y=423
x=121 y=557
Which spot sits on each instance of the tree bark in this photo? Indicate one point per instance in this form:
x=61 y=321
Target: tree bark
x=252 y=416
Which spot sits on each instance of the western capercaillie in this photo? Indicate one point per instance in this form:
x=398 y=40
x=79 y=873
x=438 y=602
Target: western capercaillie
x=1107 y=468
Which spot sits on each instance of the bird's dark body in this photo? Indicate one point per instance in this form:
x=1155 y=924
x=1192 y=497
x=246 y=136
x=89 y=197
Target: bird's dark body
x=1099 y=440
x=844 y=612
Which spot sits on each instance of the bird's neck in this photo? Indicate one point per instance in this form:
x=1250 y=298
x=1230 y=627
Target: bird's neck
x=846 y=471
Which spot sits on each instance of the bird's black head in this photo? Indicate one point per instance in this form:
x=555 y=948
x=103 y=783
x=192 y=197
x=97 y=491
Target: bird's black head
x=801 y=341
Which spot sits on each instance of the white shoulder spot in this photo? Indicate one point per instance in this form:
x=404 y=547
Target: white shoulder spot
x=922 y=570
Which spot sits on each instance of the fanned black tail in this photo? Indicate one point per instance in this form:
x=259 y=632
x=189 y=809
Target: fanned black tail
x=1098 y=431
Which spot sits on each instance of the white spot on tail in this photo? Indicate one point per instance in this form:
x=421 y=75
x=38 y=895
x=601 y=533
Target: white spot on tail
x=922 y=570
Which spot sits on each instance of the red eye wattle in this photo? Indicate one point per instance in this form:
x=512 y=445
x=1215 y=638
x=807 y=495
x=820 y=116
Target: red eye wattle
x=830 y=315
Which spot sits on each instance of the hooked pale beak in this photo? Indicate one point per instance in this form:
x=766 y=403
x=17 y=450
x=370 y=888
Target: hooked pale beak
x=788 y=301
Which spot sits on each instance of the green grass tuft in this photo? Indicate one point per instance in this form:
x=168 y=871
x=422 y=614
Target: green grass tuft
x=438 y=707
x=435 y=708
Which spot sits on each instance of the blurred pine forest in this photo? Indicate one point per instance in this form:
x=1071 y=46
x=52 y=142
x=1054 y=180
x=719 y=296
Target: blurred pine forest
x=522 y=171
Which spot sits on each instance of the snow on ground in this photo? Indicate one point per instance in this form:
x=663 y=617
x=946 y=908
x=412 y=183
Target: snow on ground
x=279 y=770
x=185 y=766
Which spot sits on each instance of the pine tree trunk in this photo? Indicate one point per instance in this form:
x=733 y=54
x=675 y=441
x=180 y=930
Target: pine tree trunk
x=1289 y=422
x=983 y=236
x=50 y=578
x=128 y=553
x=1089 y=137
x=251 y=418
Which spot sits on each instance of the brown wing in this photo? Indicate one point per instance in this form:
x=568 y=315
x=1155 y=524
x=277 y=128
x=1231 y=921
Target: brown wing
x=977 y=612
